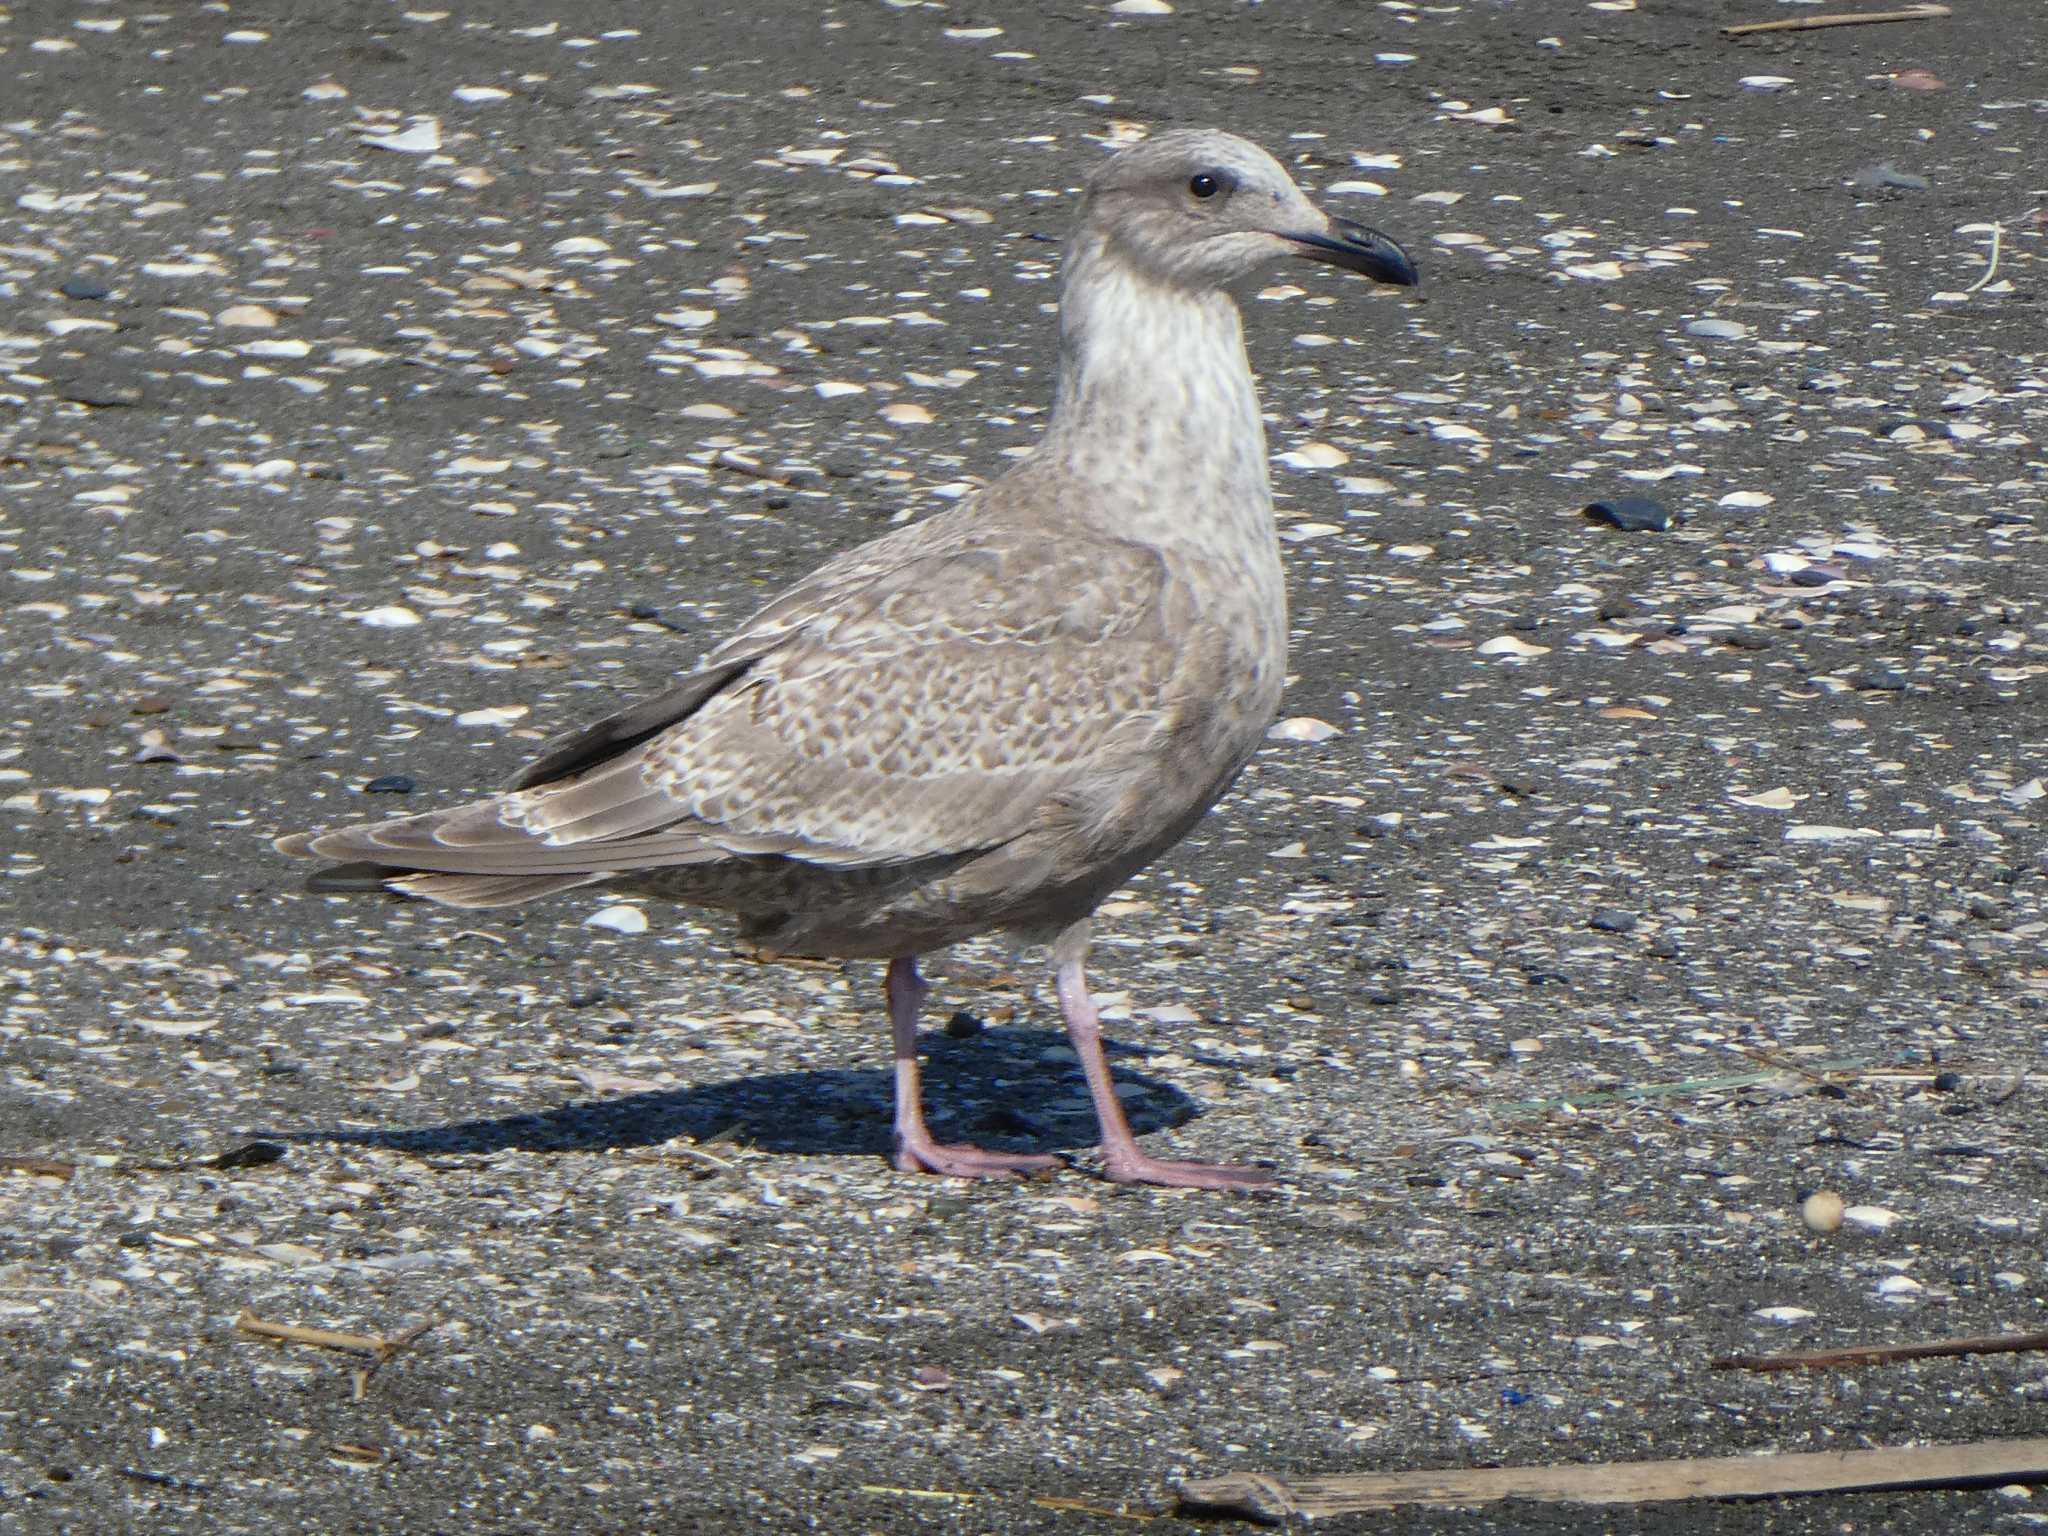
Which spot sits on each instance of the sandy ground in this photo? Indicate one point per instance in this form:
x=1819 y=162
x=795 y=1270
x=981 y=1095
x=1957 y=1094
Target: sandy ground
x=383 y=391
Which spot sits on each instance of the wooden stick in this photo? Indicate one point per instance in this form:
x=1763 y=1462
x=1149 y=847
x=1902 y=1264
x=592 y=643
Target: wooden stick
x=1270 y=1501
x=1836 y=19
x=319 y=1338
x=1883 y=1354
x=378 y=1349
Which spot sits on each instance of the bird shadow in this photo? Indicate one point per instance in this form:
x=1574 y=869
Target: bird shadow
x=992 y=1089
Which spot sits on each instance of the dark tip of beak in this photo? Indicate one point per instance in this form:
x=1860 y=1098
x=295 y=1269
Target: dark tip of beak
x=1358 y=249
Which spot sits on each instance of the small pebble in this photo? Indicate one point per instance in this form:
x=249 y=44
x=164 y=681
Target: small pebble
x=1822 y=1211
x=1613 y=920
x=1876 y=178
x=1631 y=514
x=83 y=289
x=1717 y=330
x=389 y=784
x=102 y=394
x=252 y=317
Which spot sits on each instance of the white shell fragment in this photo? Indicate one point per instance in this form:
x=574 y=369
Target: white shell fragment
x=1779 y=799
x=422 y=137
x=1781 y=1314
x=1511 y=645
x=389 y=617
x=1315 y=456
x=1302 y=728
x=619 y=919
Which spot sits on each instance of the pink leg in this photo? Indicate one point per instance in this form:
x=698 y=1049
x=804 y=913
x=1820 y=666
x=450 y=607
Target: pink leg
x=1120 y=1154
x=916 y=1152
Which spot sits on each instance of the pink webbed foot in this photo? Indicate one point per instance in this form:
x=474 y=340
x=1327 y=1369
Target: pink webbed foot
x=1137 y=1168
x=923 y=1155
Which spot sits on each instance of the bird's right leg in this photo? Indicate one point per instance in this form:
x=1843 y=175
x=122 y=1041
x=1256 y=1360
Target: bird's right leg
x=916 y=1152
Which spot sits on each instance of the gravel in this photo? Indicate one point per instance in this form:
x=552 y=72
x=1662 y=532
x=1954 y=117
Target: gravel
x=383 y=394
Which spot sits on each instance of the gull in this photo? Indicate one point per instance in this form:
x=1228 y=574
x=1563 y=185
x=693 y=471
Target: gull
x=989 y=720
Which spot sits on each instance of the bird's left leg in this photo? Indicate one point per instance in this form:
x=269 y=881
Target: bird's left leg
x=1121 y=1157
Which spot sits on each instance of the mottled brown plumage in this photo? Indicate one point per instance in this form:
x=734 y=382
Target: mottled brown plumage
x=990 y=719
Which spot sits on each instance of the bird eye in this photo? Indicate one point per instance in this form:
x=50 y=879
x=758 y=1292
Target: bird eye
x=1204 y=185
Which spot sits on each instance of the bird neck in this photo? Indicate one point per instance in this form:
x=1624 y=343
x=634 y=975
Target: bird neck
x=1155 y=398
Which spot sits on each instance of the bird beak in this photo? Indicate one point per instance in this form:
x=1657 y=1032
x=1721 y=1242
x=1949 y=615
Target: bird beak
x=1358 y=249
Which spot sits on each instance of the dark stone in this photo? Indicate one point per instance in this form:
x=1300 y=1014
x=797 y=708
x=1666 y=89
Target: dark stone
x=100 y=393
x=1947 y=1082
x=1881 y=680
x=83 y=289
x=963 y=1025
x=1613 y=920
x=389 y=784
x=252 y=1154
x=1750 y=640
x=1665 y=948
x=1631 y=514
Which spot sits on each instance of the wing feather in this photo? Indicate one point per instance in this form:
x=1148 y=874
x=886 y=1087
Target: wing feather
x=925 y=695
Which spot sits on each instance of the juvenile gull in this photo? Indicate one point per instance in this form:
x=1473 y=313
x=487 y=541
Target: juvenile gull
x=988 y=720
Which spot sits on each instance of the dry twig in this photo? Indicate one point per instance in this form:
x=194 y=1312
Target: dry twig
x=379 y=1350
x=1836 y=19
x=1883 y=1354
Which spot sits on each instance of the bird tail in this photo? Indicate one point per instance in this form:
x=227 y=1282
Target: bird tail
x=449 y=890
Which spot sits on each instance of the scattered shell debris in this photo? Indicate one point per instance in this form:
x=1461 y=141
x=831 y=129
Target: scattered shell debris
x=376 y=403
